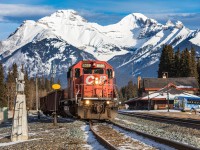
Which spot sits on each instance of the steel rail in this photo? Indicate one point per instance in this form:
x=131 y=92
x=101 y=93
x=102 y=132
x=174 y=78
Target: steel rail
x=101 y=139
x=190 y=123
x=164 y=141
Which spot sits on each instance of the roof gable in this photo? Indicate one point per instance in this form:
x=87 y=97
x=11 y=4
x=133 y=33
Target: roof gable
x=184 y=82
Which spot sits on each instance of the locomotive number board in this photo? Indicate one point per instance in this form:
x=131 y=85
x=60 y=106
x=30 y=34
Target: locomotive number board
x=100 y=66
x=86 y=65
x=89 y=65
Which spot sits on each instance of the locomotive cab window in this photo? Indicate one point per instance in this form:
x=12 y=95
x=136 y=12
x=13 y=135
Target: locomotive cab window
x=98 y=71
x=77 y=72
x=87 y=71
x=109 y=73
x=68 y=73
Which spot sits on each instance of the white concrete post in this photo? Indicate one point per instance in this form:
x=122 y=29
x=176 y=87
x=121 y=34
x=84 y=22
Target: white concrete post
x=20 y=123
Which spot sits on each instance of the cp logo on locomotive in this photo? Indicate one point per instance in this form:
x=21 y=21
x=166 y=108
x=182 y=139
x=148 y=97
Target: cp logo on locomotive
x=90 y=79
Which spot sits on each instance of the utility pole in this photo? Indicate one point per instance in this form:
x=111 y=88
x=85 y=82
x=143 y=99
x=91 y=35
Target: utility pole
x=53 y=71
x=149 y=104
x=36 y=89
x=53 y=74
x=165 y=76
x=132 y=68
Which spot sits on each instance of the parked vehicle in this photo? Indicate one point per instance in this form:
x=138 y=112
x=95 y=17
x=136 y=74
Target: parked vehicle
x=186 y=103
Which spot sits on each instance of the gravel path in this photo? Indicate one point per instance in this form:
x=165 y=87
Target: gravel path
x=68 y=134
x=174 y=132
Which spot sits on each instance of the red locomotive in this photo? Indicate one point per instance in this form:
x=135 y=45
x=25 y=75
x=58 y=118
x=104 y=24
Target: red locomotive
x=91 y=92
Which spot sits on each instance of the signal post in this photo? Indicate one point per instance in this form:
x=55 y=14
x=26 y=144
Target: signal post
x=55 y=87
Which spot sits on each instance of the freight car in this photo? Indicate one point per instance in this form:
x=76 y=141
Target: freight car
x=91 y=92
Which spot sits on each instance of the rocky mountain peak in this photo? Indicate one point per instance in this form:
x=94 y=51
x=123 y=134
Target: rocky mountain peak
x=179 y=24
x=133 y=20
x=63 y=16
x=66 y=37
x=169 y=23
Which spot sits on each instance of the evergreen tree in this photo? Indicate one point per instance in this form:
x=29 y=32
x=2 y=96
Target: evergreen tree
x=14 y=72
x=162 y=65
x=43 y=83
x=171 y=61
x=3 y=102
x=22 y=69
x=193 y=64
x=166 y=61
x=130 y=90
x=198 y=70
x=27 y=89
x=59 y=81
x=32 y=94
x=177 y=63
x=11 y=89
x=185 y=67
x=47 y=85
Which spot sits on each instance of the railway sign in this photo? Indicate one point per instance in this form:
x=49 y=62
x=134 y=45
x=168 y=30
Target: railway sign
x=56 y=86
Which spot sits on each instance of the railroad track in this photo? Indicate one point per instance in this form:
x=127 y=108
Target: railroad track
x=190 y=123
x=114 y=139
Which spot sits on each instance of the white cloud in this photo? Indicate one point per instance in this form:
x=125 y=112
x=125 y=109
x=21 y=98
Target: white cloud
x=190 y=20
x=20 y=10
x=172 y=15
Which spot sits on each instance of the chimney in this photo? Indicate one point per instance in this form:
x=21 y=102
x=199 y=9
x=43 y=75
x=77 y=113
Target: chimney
x=138 y=81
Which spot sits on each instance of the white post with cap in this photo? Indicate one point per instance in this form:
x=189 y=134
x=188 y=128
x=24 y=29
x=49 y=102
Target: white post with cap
x=20 y=123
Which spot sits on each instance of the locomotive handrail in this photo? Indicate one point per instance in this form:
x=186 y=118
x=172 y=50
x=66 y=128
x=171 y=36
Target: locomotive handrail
x=79 y=92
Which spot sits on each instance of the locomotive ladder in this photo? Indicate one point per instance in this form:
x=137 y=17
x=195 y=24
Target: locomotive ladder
x=115 y=90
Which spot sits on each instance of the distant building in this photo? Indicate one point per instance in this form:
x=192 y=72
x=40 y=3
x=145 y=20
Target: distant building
x=151 y=85
x=154 y=93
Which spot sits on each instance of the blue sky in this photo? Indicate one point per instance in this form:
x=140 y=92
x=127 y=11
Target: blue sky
x=104 y=12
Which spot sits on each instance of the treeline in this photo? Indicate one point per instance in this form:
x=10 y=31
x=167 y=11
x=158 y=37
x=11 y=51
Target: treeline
x=128 y=91
x=8 y=87
x=178 y=63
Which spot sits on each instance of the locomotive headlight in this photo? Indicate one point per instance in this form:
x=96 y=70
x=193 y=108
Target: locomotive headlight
x=96 y=81
x=107 y=102
x=87 y=102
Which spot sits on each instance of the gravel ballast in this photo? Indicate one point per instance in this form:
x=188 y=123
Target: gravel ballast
x=169 y=131
x=68 y=134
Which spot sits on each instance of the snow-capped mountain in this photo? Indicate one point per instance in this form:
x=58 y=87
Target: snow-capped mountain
x=132 y=45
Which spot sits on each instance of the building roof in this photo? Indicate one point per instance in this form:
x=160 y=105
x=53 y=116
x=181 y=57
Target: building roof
x=163 y=94
x=182 y=83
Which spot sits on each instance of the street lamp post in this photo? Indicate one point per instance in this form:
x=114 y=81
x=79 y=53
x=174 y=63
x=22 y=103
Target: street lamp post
x=165 y=76
x=148 y=96
x=148 y=102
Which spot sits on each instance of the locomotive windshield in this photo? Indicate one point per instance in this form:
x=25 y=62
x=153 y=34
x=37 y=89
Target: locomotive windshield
x=98 y=71
x=87 y=71
x=93 y=71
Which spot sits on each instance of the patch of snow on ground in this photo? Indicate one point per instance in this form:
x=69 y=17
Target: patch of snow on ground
x=16 y=142
x=92 y=143
x=139 y=138
x=127 y=110
x=4 y=135
x=126 y=121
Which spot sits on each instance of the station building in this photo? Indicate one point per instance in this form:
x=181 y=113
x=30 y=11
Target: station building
x=159 y=93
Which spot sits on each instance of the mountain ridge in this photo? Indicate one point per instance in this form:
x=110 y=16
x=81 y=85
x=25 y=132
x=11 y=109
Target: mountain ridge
x=132 y=46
